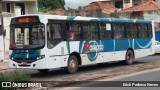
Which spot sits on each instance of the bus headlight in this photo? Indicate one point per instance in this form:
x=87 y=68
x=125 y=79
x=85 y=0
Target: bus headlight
x=11 y=58
x=40 y=57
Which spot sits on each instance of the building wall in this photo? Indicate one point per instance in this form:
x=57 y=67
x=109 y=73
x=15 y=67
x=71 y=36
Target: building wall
x=31 y=7
x=127 y=5
x=155 y=16
x=7 y=28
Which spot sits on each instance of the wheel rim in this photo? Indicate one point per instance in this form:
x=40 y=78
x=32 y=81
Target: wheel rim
x=130 y=58
x=72 y=64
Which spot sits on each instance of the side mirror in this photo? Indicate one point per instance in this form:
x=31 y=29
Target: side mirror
x=4 y=33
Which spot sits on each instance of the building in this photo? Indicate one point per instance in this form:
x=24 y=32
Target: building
x=20 y=6
x=94 y=9
x=123 y=4
x=58 y=11
x=11 y=8
x=147 y=10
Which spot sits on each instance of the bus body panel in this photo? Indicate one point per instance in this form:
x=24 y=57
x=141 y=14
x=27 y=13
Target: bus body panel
x=90 y=51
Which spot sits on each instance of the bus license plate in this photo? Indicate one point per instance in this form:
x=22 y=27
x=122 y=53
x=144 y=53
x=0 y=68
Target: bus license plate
x=23 y=63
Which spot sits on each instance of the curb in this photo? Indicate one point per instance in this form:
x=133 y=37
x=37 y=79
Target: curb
x=4 y=60
x=5 y=70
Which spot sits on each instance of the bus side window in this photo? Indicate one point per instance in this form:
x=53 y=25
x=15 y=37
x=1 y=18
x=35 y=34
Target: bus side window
x=90 y=31
x=73 y=31
x=105 y=31
x=131 y=29
x=119 y=30
x=53 y=35
x=142 y=30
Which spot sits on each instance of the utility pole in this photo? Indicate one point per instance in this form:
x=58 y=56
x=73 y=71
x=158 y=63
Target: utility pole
x=2 y=49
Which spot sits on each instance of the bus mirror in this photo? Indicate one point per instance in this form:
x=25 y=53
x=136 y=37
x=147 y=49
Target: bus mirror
x=4 y=33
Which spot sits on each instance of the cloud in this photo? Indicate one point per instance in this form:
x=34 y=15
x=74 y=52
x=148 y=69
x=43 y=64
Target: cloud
x=76 y=3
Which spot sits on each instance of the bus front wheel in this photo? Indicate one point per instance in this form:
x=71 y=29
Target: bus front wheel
x=72 y=66
x=129 y=57
x=43 y=70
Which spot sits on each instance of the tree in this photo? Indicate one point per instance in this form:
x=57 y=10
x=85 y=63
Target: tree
x=46 y=5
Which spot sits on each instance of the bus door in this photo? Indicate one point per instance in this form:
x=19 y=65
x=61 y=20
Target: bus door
x=54 y=44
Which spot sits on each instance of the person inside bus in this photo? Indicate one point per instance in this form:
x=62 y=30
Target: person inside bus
x=117 y=35
x=71 y=36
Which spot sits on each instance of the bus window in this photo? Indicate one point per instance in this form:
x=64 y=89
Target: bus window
x=149 y=30
x=105 y=31
x=90 y=31
x=131 y=30
x=53 y=35
x=27 y=36
x=118 y=30
x=73 y=31
x=142 y=30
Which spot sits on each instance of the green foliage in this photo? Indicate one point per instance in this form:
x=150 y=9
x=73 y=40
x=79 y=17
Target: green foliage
x=14 y=76
x=45 y=5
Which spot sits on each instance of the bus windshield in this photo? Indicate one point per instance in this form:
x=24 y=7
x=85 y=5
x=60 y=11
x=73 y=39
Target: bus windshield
x=27 y=36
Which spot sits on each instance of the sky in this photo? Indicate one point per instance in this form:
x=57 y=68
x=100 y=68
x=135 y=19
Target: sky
x=75 y=3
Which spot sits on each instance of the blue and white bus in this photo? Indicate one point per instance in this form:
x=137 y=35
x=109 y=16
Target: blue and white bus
x=46 y=42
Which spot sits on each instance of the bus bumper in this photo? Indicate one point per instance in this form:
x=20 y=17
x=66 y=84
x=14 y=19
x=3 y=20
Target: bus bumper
x=39 y=64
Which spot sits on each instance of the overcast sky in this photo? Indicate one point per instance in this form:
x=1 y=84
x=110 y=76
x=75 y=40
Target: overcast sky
x=76 y=3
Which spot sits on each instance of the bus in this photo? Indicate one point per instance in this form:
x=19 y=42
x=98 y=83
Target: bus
x=44 y=42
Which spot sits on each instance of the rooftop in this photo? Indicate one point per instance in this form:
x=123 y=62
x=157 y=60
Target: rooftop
x=58 y=11
x=146 y=6
x=100 y=5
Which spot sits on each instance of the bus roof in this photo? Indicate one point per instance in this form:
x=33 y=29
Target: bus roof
x=94 y=19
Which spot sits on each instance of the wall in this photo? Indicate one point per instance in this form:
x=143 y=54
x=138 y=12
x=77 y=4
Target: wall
x=1 y=48
x=153 y=15
x=127 y=5
x=7 y=20
x=31 y=7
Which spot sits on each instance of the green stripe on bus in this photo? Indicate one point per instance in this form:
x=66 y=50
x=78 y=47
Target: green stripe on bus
x=68 y=46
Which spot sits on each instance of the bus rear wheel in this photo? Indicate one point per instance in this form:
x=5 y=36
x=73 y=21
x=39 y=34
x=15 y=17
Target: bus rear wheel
x=129 y=57
x=72 y=66
x=43 y=70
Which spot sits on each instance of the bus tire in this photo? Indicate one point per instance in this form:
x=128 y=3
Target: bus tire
x=72 y=65
x=43 y=70
x=129 y=57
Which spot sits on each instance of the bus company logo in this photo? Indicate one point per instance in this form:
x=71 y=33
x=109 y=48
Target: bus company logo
x=92 y=48
x=6 y=84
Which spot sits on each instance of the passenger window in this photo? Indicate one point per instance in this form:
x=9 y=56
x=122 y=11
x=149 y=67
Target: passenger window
x=142 y=30
x=118 y=30
x=90 y=31
x=131 y=29
x=53 y=35
x=73 y=31
x=105 y=31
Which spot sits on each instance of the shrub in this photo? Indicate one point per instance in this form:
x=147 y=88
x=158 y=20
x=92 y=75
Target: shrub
x=14 y=76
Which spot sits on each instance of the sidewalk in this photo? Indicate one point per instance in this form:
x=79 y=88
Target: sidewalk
x=4 y=65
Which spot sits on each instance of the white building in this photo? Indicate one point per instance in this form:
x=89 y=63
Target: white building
x=10 y=9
